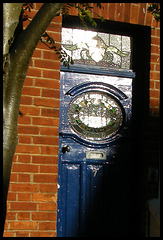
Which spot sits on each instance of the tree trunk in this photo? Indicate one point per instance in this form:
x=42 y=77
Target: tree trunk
x=17 y=59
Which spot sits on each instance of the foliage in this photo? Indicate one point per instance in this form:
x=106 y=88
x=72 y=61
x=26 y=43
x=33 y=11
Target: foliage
x=62 y=55
x=155 y=10
x=85 y=12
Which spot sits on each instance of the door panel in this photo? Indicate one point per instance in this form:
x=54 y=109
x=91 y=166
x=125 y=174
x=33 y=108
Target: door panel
x=71 y=180
x=95 y=174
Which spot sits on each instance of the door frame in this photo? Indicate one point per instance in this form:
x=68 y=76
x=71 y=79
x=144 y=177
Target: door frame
x=141 y=44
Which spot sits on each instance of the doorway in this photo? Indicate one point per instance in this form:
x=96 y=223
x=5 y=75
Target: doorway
x=101 y=124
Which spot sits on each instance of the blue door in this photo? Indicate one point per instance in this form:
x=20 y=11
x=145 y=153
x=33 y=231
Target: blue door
x=95 y=196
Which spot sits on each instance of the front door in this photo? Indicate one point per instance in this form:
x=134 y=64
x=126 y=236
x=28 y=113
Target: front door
x=95 y=176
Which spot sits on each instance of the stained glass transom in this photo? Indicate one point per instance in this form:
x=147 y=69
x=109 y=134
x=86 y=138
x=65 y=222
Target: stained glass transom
x=95 y=115
x=95 y=48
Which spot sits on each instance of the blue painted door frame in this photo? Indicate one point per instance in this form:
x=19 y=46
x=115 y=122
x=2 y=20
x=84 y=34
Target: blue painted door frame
x=95 y=178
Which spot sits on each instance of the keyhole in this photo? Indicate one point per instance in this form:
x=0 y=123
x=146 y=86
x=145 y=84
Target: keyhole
x=65 y=149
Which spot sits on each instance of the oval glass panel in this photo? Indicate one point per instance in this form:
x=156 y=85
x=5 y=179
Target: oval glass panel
x=95 y=115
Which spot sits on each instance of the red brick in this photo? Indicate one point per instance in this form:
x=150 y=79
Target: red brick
x=47 y=207
x=112 y=7
x=57 y=19
x=56 y=36
x=27 y=206
x=148 y=19
x=157 y=85
x=24 y=196
x=24 y=120
x=50 y=112
x=157 y=67
x=127 y=10
x=152 y=84
x=27 y=149
x=45 y=140
x=49 y=131
x=32 y=91
x=49 y=150
x=24 y=139
x=48 y=169
x=119 y=12
x=50 y=93
x=154 y=102
x=24 y=187
x=28 y=129
x=28 y=81
x=35 y=111
x=154 y=94
x=11 y=196
x=134 y=14
x=52 y=73
x=26 y=100
x=25 y=168
x=45 y=178
x=153 y=32
x=48 y=188
x=44 y=197
x=8 y=234
x=73 y=11
x=24 y=158
x=50 y=55
x=44 y=234
x=37 y=54
x=46 y=102
x=44 y=216
x=142 y=12
x=96 y=11
x=22 y=234
x=38 y=6
x=155 y=58
x=11 y=216
x=155 y=49
x=104 y=10
x=45 y=121
x=6 y=224
x=54 y=27
x=48 y=83
x=42 y=46
x=34 y=72
x=155 y=75
x=47 y=225
x=158 y=32
x=23 y=215
x=13 y=177
x=155 y=40
x=47 y=64
x=44 y=159
x=23 y=225
x=25 y=177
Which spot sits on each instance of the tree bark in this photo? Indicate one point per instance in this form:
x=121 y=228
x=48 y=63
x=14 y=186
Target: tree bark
x=14 y=75
x=11 y=13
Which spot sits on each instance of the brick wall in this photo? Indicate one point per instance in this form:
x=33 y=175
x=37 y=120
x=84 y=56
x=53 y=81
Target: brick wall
x=32 y=207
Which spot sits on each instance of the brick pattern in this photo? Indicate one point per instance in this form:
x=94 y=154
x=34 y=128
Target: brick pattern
x=32 y=207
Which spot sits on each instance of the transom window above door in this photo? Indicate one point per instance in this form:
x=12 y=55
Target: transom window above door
x=96 y=48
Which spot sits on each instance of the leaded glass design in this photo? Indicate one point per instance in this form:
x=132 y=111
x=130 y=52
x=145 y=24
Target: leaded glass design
x=95 y=48
x=95 y=115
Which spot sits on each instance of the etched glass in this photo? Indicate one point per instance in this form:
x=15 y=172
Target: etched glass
x=95 y=48
x=95 y=115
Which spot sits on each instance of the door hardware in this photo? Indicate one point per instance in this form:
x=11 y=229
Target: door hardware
x=65 y=149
